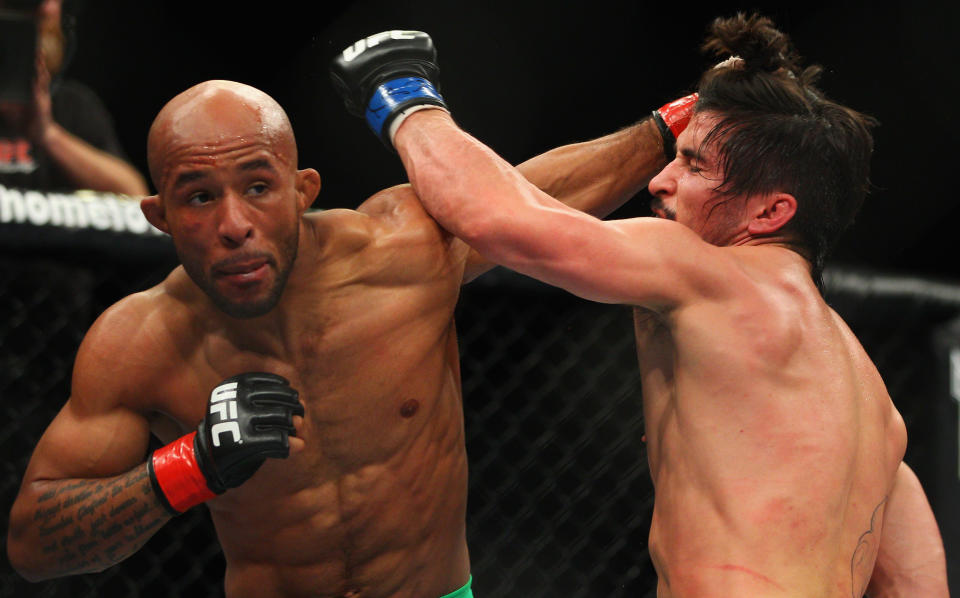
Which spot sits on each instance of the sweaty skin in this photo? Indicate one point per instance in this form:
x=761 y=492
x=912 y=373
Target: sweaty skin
x=772 y=442
x=372 y=500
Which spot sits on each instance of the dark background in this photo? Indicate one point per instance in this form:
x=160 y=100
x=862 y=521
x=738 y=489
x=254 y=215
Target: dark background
x=527 y=76
x=559 y=502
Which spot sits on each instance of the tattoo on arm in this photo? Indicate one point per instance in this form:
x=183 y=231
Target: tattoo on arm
x=87 y=525
x=866 y=545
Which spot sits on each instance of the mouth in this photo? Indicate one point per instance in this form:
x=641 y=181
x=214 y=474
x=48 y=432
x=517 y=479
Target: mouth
x=661 y=211
x=243 y=271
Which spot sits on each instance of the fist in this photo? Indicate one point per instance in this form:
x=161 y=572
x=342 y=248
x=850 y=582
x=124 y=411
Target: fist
x=249 y=419
x=386 y=75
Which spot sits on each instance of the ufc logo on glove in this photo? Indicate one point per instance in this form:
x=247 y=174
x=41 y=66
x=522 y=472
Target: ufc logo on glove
x=223 y=404
x=359 y=47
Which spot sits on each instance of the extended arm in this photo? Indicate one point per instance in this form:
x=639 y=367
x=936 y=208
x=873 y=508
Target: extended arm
x=911 y=560
x=483 y=200
x=598 y=176
x=595 y=177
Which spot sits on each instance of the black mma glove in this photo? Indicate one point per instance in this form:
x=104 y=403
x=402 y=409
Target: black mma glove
x=386 y=77
x=249 y=419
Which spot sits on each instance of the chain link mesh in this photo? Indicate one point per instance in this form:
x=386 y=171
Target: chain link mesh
x=560 y=495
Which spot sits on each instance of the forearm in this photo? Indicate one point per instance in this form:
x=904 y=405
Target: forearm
x=599 y=176
x=90 y=168
x=595 y=177
x=67 y=527
x=466 y=187
x=910 y=561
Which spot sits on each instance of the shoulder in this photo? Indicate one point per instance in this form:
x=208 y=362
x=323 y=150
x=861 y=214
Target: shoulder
x=764 y=298
x=391 y=220
x=136 y=344
x=657 y=264
x=389 y=238
x=398 y=209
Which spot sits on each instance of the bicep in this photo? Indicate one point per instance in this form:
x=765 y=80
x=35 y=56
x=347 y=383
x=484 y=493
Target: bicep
x=97 y=432
x=84 y=442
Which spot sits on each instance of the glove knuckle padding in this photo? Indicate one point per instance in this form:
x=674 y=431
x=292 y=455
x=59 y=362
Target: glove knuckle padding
x=382 y=76
x=253 y=425
x=363 y=66
x=249 y=419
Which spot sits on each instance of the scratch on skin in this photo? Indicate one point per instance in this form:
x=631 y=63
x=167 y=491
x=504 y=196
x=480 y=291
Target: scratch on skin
x=860 y=552
x=753 y=574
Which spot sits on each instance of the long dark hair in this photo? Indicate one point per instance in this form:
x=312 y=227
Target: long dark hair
x=777 y=131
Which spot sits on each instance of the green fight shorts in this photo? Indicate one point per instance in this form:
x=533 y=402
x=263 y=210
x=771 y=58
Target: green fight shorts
x=464 y=592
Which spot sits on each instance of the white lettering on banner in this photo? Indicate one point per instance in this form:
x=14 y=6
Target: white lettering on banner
x=64 y=212
x=361 y=46
x=12 y=208
x=84 y=209
x=133 y=218
x=223 y=404
x=99 y=219
x=38 y=210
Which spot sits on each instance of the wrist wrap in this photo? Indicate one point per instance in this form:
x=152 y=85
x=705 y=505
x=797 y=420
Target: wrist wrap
x=672 y=119
x=176 y=476
x=391 y=99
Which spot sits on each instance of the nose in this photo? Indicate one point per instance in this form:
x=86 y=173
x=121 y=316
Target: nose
x=235 y=226
x=664 y=183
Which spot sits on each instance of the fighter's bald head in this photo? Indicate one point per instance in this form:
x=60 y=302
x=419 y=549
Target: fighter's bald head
x=213 y=114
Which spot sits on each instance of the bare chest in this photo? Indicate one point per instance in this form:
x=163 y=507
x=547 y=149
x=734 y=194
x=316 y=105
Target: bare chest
x=363 y=370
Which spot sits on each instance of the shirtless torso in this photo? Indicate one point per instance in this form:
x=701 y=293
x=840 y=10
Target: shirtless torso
x=371 y=501
x=771 y=439
x=374 y=504
x=773 y=444
x=381 y=485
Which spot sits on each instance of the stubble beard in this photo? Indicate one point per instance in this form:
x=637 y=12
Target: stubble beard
x=282 y=266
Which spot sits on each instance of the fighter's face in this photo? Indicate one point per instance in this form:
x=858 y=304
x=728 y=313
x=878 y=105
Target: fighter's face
x=231 y=210
x=684 y=190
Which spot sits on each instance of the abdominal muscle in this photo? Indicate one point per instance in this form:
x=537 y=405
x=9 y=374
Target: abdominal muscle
x=391 y=529
x=374 y=506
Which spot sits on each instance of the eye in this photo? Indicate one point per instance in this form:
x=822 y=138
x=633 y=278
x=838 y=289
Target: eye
x=199 y=198
x=257 y=189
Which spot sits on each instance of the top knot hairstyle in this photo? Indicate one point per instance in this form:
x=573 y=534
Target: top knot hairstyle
x=776 y=131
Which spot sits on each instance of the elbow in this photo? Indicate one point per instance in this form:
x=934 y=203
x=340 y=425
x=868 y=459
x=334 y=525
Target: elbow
x=25 y=552
x=479 y=230
x=492 y=235
x=23 y=561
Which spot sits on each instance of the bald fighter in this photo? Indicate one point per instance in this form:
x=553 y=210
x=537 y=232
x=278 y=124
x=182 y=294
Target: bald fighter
x=774 y=447
x=300 y=367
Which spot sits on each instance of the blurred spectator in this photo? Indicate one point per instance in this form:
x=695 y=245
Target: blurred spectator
x=60 y=137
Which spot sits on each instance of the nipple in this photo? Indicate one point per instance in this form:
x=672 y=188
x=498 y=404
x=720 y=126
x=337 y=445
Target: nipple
x=409 y=407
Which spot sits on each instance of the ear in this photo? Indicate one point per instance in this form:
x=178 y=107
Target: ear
x=153 y=209
x=308 y=187
x=771 y=213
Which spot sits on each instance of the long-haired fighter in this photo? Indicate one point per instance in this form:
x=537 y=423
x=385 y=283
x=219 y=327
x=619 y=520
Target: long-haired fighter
x=774 y=447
